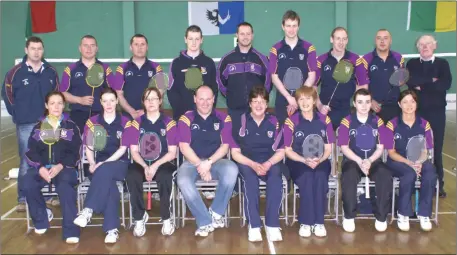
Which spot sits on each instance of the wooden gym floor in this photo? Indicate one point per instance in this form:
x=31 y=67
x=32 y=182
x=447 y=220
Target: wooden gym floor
x=233 y=240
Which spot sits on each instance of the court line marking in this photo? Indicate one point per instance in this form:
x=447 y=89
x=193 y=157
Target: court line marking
x=10 y=158
x=8 y=212
x=450 y=172
x=271 y=246
x=9 y=186
x=7 y=136
x=449 y=156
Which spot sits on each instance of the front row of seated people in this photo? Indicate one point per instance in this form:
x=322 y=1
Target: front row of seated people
x=204 y=137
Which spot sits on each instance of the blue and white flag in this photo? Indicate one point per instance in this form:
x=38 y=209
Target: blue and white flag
x=215 y=18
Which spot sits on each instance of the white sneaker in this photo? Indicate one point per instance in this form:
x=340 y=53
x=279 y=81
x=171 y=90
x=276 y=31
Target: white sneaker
x=348 y=225
x=83 y=217
x=425 y=222
x=380 y=226
x=305 y=230
x=140 y=226
x=273 y=234
x=218 y=220
x=50 y=217
x=403 y=222
x=72 y=240
x=112 y=236
x=319 y=230
x=204 y=231
x=209 y=194
x=168 y=227
x=254 y=235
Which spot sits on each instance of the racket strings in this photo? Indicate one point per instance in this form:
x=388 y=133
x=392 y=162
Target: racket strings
x=293 y=78
x=313 y=146
x=193 y=78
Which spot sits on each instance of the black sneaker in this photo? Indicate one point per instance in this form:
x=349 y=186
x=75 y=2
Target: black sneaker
x=442 y=193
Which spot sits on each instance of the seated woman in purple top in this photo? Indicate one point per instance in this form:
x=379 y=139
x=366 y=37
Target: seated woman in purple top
x=107 y=166
x=61 y=170
x=362 y=136
x=310 y=175
x=153 y=162
x=401 y=129
x=258 y=152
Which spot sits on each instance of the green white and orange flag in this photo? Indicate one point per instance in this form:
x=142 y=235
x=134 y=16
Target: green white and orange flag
x=431 y=16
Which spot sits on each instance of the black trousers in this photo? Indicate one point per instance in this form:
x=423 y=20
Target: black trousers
x=164 y=179
x=351 y=176
x=437 y=119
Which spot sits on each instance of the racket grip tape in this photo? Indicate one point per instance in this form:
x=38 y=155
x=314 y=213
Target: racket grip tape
x=149 y=201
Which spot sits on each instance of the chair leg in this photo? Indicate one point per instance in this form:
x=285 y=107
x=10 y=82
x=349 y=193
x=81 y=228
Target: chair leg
x=437 y=197
x=294 y=213
x=29 y=228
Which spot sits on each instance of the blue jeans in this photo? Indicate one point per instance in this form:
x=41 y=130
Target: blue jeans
x=23 y=132
x=223 y=170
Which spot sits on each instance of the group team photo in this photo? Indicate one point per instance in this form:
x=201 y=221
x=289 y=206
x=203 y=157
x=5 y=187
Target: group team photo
x=105 y=128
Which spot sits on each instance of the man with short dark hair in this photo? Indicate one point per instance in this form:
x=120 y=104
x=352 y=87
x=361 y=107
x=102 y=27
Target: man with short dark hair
x=75 y=88
x=239 y=71
x=179 y=96
x=24 y=90
x=291 y=53
x=132 y=77
x=375 y=69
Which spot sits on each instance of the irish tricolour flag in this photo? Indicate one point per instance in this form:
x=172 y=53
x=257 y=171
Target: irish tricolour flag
x=438 y=16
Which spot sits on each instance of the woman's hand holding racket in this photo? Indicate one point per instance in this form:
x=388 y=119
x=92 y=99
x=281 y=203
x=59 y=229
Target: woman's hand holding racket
x=94 y=167
x=55 y=170
x=366 y=164
x=44 y=173
x=375 y=106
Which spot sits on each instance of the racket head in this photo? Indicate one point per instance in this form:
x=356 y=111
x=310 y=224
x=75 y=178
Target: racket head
x=150 y=146
x=293 y=78
x=313 y=147
x=159 y=80
x=242 y=131
x=193 y=78
x=416 y=149
x=343 y=71
x=399 y=77
x=96 y=138
x=47 y=134
x=95 y=75
x=365 y=138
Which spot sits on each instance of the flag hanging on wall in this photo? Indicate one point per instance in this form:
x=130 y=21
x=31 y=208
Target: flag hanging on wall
x=431 y=16
x=216 y=18
x=41 y=17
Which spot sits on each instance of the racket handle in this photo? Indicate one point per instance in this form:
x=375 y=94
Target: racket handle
x=417 y=201
x=367 y=187
x=149 y=201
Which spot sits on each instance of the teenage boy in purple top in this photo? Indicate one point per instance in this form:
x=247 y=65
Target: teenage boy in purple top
x=291 y=51
x=205 y=136
x=363 y=158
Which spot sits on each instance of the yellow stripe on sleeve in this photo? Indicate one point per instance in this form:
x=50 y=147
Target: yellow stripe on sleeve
x=427 y=126
x=67 y=71
x=311 y=49
x=120 y=70
x=380 y=122
x=228 y=119
x=390 y=126
x=171 y=124
x=135 y=124
x=185 y=120
x=274 y=51
x=327 y=120
x=159 y=68
x=365 y=63
x=345 y=122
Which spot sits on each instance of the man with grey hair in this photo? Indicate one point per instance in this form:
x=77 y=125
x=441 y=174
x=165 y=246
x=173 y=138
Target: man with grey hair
x=430 y=78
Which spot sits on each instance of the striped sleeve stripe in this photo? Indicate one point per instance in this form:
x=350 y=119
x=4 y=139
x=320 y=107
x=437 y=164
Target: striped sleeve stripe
x=185 y=120
x=327 y=120
x=427 y=126
x=159 y=68
x=171 y=124
x=89 y=123
x=311 y=49
x=390 y=126
x=120 y=70
x=136 y=125
x=380 y=122
x=274 y=51
x=345 y=122
x=402 y=61
x=67 y=71
x=365 y=63
x=277 y=126
x=128 y=124
x=108 y=70
x=319 y=65
x=228 y=119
